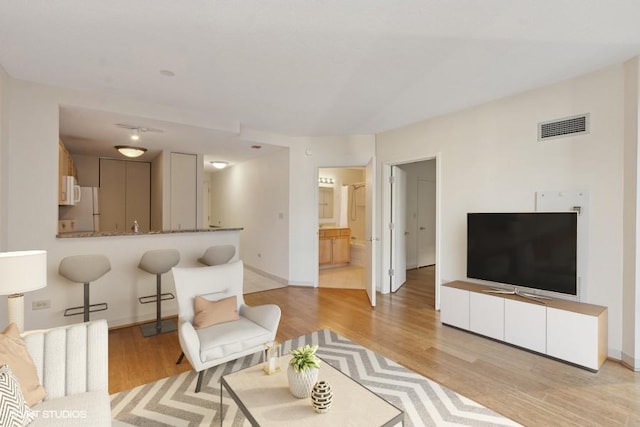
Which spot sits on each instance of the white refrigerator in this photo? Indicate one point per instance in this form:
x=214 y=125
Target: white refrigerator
x=86 y=212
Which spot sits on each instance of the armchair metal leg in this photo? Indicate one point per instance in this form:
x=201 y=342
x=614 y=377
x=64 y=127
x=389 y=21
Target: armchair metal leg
x=180 y=358
x=199 y=384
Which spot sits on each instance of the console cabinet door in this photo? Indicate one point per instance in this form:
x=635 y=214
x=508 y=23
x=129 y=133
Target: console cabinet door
x=454 y=307
x=525 y=325
x=573 y=337
x=486 y=315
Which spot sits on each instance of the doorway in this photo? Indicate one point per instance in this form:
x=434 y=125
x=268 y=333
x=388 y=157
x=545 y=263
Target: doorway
x=342 y=226
x=411 y=203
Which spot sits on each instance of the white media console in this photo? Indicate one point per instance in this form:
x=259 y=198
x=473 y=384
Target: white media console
x=570 y=331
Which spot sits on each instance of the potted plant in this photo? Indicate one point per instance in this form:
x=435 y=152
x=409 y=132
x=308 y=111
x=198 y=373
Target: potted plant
x=303 y=370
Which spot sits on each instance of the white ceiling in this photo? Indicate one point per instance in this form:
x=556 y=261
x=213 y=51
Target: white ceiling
x=94 y=132
x=314 y=67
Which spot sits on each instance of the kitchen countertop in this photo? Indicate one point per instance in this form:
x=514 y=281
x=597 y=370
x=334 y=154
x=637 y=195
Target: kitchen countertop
x=142 y=233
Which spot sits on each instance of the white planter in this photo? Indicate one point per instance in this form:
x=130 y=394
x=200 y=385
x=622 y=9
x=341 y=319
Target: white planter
x=301 y=383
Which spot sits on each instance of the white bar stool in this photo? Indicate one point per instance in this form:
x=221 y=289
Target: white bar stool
x=216 y=255
x=158 y=262
x=84 y=269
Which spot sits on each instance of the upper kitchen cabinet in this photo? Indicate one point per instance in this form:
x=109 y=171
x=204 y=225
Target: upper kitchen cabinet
x=125 y=195
x=65 y=168
x=184 y=179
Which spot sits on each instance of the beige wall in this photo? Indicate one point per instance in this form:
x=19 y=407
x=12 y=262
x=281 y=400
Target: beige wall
x=490 y=160
x=255 y=196
x=4 y=144
x=631 y=210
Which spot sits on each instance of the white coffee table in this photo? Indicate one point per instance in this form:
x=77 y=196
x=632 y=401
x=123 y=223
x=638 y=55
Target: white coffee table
x=266 y=400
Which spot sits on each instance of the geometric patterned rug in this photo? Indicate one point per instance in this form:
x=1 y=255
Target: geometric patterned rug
x=173 y=402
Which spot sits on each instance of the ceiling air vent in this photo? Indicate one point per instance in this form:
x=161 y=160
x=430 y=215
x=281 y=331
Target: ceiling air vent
x=570 y=126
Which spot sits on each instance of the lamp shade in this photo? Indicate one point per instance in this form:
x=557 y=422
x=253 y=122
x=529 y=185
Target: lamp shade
x=22 y=271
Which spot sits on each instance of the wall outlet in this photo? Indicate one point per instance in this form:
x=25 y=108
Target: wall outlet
x=41 y=305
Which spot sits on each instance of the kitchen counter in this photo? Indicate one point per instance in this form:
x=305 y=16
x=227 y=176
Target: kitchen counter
x=125 y=283
x=142 y=233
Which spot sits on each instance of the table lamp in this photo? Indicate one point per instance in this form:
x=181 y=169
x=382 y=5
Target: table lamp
x=20 y=272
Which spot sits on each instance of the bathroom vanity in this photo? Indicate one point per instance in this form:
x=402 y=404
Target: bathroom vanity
x=334 y=247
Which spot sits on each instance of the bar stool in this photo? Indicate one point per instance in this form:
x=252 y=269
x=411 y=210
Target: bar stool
x=215 y=255
x=158 y=262
x=84 y=269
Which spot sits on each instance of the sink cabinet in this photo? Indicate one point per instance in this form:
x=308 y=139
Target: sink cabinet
x=334 y=246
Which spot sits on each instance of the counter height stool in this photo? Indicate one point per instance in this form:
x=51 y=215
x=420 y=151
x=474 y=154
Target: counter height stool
x=84 y=269
x=158 y=262
x=216 y=255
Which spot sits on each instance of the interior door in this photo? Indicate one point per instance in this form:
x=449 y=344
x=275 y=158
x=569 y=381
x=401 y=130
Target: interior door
x=426 y=222
x=399 y=228
x=183 y=191
x=206 y=203
x=113 y=181
x=138 y=195
x=370 y=262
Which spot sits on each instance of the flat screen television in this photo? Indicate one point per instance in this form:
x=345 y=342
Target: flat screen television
x=534 y=250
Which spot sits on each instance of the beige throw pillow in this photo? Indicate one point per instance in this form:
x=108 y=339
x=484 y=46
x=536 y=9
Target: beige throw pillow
x=209 y=313
x=13 y=352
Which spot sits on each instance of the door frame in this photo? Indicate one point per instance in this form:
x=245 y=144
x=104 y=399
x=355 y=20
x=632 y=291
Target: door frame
x=316 y=221
x=386 y=216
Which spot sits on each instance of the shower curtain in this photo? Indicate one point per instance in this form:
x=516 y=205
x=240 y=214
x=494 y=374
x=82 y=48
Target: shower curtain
x=344 y=207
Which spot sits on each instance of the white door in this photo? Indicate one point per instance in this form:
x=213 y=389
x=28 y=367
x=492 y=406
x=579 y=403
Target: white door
x=183 y=191
x=426 y=222
x=206 y=203
x=370 y=262
x=399 y=228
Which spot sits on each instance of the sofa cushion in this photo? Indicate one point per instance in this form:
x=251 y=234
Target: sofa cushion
x=13 y=408
x=13 y=352
x=224 y=339
x=92 y=408
x=209 y=313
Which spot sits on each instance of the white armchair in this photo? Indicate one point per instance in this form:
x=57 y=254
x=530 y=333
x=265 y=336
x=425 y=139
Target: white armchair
x=222 y=342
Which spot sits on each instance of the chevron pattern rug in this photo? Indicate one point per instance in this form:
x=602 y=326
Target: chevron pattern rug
x=172 y=401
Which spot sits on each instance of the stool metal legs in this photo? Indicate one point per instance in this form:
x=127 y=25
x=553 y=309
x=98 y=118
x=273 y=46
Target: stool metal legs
x=86 y=308
x=160 y=326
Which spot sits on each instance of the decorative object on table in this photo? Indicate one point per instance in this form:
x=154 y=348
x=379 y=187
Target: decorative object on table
x=303 y=370
x=20 y=272
x=321 y=397
x=271 y=355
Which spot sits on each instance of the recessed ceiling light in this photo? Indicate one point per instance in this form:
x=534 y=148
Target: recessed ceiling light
x=256 y=147
x=218 y=164
x=167 y=73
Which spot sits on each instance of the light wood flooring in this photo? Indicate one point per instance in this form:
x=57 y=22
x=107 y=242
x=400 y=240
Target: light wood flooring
x=526 y=387
x=346 y=277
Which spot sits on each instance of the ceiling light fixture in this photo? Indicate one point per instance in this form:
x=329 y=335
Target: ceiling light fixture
x=135 y=136
x=129 y=151
x=219 y=164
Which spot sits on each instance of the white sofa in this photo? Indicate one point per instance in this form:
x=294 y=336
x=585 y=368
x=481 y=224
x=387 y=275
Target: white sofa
x=72 y=365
